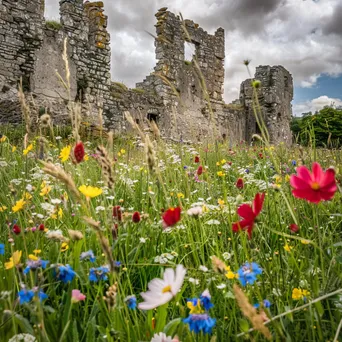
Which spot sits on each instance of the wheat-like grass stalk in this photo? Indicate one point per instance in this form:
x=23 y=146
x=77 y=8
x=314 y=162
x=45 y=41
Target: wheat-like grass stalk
x=106 y=166
x=25 y=109
x=250 y=312
x=58 y=173
x=103 y=242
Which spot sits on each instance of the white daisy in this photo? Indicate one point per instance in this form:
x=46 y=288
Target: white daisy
x=161 y=291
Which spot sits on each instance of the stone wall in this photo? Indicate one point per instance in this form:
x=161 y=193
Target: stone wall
x=184 y=97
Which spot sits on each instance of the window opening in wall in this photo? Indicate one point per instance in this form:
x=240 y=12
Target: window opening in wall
x=189 y=51
x=152 y=117
x=137 y=121
x=257 y=129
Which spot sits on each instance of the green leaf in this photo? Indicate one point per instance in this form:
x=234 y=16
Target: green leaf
x=24 y=324
x=75 y=332
x=244 y=325
x=91 y=331
x=171 y=327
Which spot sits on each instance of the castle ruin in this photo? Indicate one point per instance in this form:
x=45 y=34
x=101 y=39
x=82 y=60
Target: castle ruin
x=184 y=97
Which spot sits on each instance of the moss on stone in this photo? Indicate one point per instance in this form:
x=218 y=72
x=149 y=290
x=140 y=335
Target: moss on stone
x=118 y=87
x=138 y=90
x=53 y=25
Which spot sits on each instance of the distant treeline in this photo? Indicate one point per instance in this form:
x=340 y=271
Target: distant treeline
x=322 y=129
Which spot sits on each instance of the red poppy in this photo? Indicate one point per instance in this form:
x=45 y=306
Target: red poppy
x=117 y=213
x=239 y=183
x=171 y=217
x=197 y=159
x=294 y=228
x=249 y=215
x=16 y=229
x=41 y=227
x=136 y=217
x=316 y=186
x=79 y=152
x=199 y=170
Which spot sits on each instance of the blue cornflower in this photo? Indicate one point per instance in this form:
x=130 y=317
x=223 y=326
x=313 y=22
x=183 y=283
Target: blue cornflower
x=25 y=296
x=99 y=273
x=206 y=300
x=86 y=255
x=131 y=302
x=248 y=273
x=42 y=296
x=2 y=249
x=294 y=163
x=200 y=322
x=34 y=264
x=266 y=304
x=66 y=273
x=247 y=171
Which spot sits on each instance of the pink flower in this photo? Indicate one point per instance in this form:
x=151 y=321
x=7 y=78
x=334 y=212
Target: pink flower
x=314 y=186
x=77 y=296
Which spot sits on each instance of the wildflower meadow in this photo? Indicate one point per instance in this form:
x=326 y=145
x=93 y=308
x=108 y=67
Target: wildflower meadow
x=140 y=239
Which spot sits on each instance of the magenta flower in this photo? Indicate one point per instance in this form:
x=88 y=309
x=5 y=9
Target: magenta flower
x=77 y=296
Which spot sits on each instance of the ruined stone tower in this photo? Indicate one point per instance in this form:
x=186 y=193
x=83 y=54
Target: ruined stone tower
x=275 y=96
x=184 y=94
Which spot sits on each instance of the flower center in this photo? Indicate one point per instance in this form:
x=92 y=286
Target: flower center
x=166 y=289
x=315 y=186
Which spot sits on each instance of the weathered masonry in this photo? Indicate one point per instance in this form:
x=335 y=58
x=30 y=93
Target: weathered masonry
x=184 y=95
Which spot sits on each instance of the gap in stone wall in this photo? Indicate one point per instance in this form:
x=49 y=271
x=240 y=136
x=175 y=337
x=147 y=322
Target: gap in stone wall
x=189 y=51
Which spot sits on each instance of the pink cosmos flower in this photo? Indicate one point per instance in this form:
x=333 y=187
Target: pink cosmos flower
x=314 y=186
x=77 y=296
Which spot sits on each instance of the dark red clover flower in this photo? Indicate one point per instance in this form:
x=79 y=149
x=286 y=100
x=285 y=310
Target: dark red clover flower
x=79 y=152
x=117 y=213
x=199 y=170
x=239 y=183
x=16 y=229
x=197 y=159
x=294 y=228
x=249 y=215
x=136 y=217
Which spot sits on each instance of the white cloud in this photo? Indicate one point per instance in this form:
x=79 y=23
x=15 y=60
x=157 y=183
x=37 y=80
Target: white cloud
x=303 y=36
x=316 y=105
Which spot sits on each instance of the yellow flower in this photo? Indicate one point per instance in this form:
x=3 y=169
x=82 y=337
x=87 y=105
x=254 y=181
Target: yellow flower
x=195 y=309
x=220 y=174
x=278 y=179
x=64 y=247
x=18 y=206
x=288 y=248
x=14 y=149
x=37 y=251
x=3 y=138
x=297 y=294
x=205 y=209
x=171 y=194
x=33 y=257
x=230 y=274
x=27 y=196
x=60 y=212
x=287 y=178
x=86 y=157
x=14 y=260
x=28 y=149
x=220 y=201
x=66 y=197
x=305 y=242
x=3 y=208
x=90 y=191
x=223 y=161
x=65 y=153
x=122 y=151
x=180 y=195
x=45 y=189
x=218 y=164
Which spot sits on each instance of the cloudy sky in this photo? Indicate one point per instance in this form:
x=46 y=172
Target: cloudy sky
x=305 y=36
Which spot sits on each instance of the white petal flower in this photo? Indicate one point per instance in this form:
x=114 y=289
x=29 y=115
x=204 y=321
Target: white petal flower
x=161 y=291
x=195 y=211
x=161 y=337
